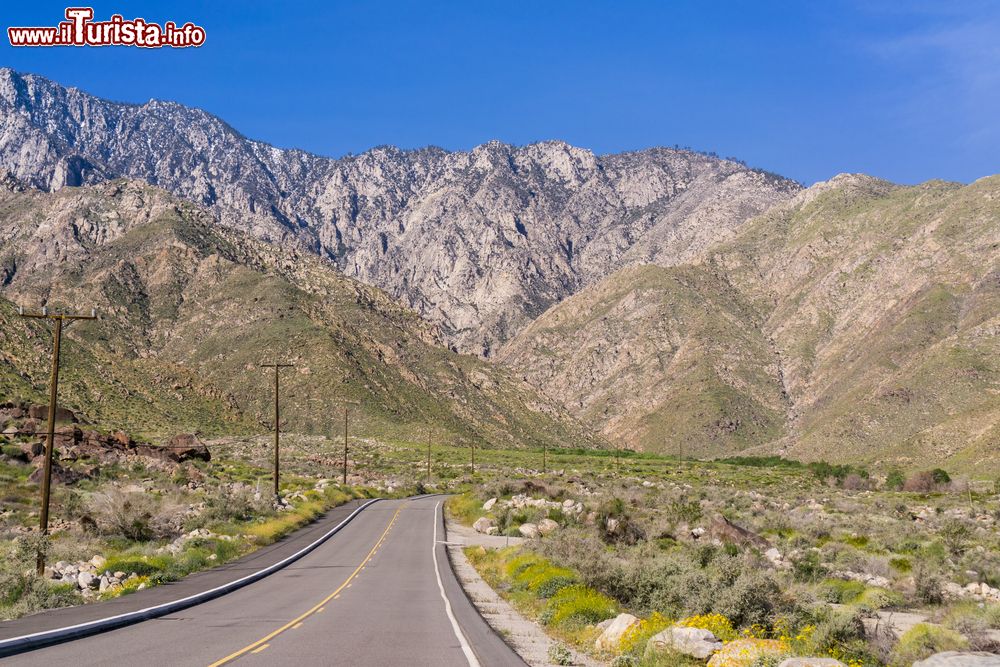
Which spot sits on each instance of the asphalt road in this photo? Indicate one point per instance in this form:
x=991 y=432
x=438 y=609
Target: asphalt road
x=379 y=592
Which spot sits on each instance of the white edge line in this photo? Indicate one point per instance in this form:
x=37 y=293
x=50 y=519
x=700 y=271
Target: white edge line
x=44 y=637
x=466 y=649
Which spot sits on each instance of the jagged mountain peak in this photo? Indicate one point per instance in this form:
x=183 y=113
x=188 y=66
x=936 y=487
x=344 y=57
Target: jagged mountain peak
x=479 y=242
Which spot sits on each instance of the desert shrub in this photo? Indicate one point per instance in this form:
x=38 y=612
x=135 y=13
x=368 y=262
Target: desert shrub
x=22 y=591
x=578 y=604
x=807 y=567
x=923 y=640
x=823 y=470
x=971 y=622
x=836 y=630
x=144 y=566
x=940 y=476
x=750 y=600
x=840 y=591
x=635 y=639
x=616 y=525
x=875 y=598
x=560 y=655
x=894 y=480
x=683 y=510
x=855 y=482
x=541 y=577
x=235 y=502
x=129 y=515
x=900 y=564
x=955 y=535
x=15 y=453
x=927 y=585
x=717 y=624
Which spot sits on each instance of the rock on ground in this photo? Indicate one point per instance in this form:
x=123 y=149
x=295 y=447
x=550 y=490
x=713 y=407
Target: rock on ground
x=960 y=659
x=811 y=662
x=546 y=526
x=528 y=530
x=744 y=652
x=613 y=633
x=696 y=642
x=482 y=524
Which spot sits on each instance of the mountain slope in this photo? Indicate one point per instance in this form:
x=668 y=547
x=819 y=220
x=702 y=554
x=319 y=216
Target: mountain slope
x=663 y=359
x=858 y=321
x=190 y=309
x=479 y=242
x=885 y=308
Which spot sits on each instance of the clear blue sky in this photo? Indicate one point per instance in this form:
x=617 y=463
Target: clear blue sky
x=906 y=91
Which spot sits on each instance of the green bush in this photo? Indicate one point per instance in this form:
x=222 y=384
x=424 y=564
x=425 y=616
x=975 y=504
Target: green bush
x=875 y=598
x=838 y=628
x=578 y=604
x=923 y=640
x=940 y=476
x=16 y=453
x=542 y=577
x=894 y=480
x=143 y=566
x=839 y=591
x=750 y=600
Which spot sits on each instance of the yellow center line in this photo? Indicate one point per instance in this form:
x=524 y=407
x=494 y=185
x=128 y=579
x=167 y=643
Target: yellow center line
x=262 y=643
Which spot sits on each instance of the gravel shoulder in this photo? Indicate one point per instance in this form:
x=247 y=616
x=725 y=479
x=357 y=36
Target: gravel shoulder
x=523 y=635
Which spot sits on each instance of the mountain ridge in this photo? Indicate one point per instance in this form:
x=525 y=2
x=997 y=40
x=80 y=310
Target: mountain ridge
x=479 y=242
x=190 y=309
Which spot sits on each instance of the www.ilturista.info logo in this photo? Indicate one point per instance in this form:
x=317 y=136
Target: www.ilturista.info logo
x=79 y=29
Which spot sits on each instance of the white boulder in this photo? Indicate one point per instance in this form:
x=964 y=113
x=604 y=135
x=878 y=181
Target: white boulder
x=612 y=635
x=546 y=526
x=695 y=642
x=528 y=530
x=483 y=524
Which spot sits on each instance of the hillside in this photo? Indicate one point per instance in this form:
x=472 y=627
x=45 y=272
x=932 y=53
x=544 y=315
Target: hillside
x=858 y=321
x=189 y=310
x=664 y=359
x=478 y=242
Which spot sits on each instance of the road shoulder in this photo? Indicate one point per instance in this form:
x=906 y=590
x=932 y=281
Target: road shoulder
x=530 y=642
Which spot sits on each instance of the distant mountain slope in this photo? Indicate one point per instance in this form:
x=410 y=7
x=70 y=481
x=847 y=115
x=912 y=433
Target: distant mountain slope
x=189 y=310
x=884 y=303
x=479 y=242
x=858 y=321
x=663 y=359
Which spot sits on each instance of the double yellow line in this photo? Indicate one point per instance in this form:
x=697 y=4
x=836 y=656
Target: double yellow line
x=261 y=643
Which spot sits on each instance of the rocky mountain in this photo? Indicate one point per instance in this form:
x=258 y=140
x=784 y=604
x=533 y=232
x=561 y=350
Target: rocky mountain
x=478 y=242
x=189 y=309
x=857 y=321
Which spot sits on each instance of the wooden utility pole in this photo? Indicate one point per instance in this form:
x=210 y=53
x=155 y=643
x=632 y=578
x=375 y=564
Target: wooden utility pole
x=428 y=435
x=472 y=450
x=545 y=451
x=277 y=422
x=43 y=517
x=347 y=405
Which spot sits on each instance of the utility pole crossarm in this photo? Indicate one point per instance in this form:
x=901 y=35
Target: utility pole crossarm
x=59 y=318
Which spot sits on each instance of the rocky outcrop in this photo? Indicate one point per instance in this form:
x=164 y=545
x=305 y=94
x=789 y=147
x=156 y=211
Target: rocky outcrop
x=187 y=447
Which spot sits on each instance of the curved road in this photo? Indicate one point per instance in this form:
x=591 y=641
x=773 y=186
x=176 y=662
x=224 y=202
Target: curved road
x=379 y=592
